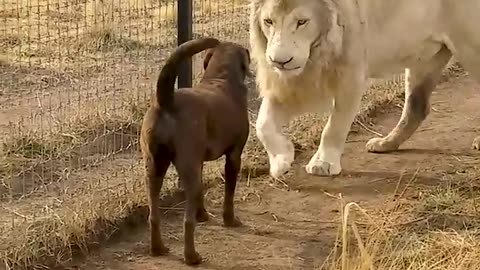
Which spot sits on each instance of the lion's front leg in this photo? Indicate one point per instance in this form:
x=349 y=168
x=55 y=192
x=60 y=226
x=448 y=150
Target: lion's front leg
x=326 y=161
x=271 y=117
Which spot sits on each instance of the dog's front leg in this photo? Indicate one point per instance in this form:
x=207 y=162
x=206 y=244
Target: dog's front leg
x=326 y=161
x=271 y=117
x=232 y=168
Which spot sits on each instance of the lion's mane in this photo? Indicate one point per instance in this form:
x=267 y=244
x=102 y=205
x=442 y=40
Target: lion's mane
x=320 y=70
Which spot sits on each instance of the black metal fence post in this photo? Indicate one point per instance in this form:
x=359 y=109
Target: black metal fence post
x=184 y=30
x=184 y=33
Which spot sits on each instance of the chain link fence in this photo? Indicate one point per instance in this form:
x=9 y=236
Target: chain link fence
x=75 y=79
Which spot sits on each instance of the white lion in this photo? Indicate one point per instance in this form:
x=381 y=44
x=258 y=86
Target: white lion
x=317 y=55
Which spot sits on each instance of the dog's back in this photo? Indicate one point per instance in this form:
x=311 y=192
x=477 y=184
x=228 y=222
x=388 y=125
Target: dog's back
x=158 y=124
x=218 y=104
x=220 y=96
x=168 y=74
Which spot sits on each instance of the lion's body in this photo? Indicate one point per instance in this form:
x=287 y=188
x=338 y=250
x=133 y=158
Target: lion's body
x=314 y=55
x=401 y=34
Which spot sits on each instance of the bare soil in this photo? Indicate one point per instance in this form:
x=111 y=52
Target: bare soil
x=293 y=225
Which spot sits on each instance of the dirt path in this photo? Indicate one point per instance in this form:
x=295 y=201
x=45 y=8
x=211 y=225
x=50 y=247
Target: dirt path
x=295 y=227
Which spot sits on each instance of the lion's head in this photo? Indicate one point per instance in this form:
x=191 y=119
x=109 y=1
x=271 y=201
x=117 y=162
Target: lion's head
x=287 y=34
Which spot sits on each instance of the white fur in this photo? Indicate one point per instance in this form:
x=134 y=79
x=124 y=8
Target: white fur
x=333 y=47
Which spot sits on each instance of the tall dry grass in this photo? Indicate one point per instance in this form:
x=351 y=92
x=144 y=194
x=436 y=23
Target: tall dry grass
x=37 y=231
x=81 y=192
x=439 y=232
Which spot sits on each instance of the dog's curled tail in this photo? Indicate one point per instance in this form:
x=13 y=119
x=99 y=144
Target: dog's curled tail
x=168 y=74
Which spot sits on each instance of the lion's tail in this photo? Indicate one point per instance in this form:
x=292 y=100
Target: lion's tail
x=168 y=74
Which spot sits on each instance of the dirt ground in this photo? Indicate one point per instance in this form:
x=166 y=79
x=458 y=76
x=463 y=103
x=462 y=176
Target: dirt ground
x=293 y=225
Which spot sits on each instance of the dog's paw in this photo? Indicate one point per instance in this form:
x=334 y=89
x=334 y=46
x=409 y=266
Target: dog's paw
x=193 y=258
x=232 y=222
x=202 y=215
x=476 y=143
x=322 y=168
x=159 y=250
x=380 y=145
x=280 y=164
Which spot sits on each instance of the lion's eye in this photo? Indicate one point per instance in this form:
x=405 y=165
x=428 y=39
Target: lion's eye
x=268 y=21
x=301 y=22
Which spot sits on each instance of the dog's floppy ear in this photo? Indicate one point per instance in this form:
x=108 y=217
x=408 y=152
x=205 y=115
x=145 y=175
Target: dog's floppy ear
x=248 y=55
x=207 y=58
x=246 y=64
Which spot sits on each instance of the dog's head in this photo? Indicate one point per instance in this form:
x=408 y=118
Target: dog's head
x=231 y=53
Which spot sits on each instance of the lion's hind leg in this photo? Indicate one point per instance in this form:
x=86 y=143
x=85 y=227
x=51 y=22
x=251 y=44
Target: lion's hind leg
x=464 y=39
x=474 y=71
x=420 y=82
x=468 y=56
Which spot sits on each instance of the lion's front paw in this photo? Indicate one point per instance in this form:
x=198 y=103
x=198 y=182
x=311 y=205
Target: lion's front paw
x=476 y=143
x=380 y=145
x=323 y=168
x=280 y=164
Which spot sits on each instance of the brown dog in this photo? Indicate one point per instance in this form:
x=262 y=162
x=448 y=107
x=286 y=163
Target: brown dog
x=194 y=125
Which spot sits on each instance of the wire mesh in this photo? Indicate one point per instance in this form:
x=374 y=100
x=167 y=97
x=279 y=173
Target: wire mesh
x=76 y=77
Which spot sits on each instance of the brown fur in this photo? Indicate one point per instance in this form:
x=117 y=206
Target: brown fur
x=195 y=125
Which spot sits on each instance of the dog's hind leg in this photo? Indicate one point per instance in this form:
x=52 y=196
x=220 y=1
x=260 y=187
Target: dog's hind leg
x=156 y=168
x=190 y=172
x=232 y=168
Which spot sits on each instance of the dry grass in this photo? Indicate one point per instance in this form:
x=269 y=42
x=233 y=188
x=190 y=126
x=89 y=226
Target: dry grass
x=69 y=161
x=44 y=32
x=71 y=176
x=49 y=229
x=437 y=232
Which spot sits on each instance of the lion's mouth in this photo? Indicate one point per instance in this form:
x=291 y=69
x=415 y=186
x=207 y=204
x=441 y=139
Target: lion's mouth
x=288 y=72
x=287 y=69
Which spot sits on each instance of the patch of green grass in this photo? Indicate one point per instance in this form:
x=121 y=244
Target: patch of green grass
x=442 y=199
x=107 y=40
x=30 y=147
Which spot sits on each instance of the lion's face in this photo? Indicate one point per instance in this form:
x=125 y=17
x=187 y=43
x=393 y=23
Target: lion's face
x=292 y=28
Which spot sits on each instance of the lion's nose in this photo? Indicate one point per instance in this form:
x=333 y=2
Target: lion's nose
x=280 y=62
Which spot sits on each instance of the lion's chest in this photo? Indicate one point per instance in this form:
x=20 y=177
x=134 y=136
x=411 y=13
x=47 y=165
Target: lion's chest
x=311 y=96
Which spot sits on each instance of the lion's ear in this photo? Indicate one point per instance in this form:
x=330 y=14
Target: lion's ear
x=256 y=32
